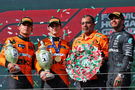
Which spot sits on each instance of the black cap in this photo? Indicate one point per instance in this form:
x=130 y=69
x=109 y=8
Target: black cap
x=54 y=20
x=116 y=14
x=26 y=20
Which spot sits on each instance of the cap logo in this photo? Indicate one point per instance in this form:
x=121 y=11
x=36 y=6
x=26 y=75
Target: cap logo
x=54 y=20
x=26 y=19
x=117 y=13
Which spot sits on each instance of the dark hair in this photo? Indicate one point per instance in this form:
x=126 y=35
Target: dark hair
x=92 y=18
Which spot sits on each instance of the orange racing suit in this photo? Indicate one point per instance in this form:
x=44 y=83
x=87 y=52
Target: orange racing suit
x=58 y=67
x=26 y=59
x=101 y=42
x=97 y=39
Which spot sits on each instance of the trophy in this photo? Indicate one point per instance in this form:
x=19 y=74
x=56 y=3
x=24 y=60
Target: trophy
x=11 y=55
x=44 y=59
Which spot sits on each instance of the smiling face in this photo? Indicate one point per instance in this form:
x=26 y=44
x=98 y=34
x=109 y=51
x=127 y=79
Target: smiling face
x=87 y=25
x=116 y=23
x=25 y=29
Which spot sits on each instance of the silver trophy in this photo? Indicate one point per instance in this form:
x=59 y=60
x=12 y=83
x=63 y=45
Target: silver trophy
x=44 y=59
x=11 y=55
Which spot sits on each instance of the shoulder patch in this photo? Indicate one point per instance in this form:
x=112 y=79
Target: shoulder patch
x=21 y=45
x=13 y=41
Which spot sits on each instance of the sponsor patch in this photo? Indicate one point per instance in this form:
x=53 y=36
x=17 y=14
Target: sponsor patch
x=21 y=45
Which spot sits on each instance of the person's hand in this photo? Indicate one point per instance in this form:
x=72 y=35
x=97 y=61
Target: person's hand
x=118 y=81
x=45 y=75
x=13 y=68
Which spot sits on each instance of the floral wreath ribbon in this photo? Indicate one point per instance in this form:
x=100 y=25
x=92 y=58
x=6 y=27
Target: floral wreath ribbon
x=84 y=62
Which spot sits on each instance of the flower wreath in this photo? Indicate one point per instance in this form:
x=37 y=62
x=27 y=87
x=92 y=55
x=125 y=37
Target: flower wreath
x=84 y=62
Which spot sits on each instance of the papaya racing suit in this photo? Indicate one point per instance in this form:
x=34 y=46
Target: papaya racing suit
x=101 y=42
x=120 y=57
x=26 y=62
x=59 y=48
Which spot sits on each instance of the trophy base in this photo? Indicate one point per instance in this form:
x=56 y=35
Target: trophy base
x=49 y=76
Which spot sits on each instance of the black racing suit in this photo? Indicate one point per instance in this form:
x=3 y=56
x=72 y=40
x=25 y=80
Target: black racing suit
x=120 y=57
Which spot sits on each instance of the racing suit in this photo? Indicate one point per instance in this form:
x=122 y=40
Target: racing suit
x=26 y=62
x=120 y=57
x=58 y=67
x=101 y=42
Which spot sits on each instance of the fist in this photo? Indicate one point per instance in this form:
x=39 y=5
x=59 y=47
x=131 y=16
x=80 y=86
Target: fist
x=13 y=68
x=46 y=75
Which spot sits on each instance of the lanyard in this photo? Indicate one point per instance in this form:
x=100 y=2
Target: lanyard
x=57 y=50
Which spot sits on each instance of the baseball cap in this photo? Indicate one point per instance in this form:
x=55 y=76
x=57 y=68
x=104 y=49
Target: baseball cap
x=26 y=20
x=54 y=20
x=116 y=14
